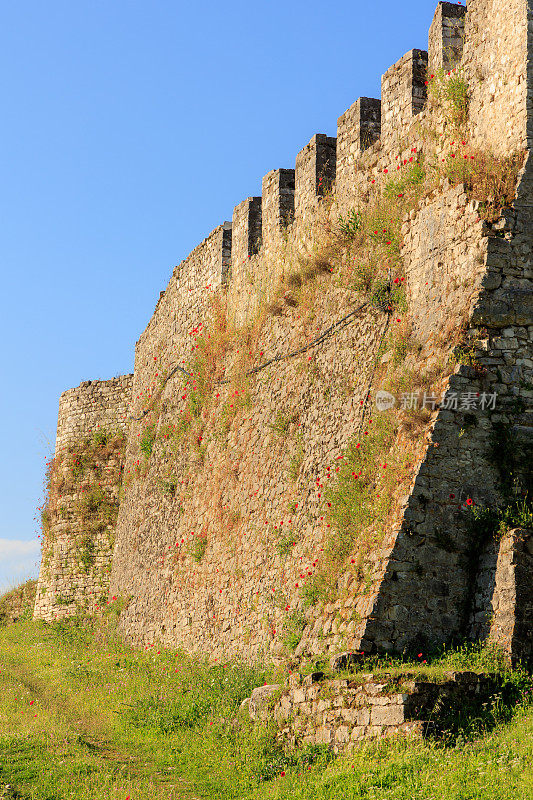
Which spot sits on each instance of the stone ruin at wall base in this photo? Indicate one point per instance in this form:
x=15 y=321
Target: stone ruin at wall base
x=214 y=547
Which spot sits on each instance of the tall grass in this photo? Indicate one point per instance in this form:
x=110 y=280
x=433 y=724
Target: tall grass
x=82 y=715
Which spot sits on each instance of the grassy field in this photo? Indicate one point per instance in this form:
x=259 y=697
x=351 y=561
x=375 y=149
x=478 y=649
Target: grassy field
x=84 y=716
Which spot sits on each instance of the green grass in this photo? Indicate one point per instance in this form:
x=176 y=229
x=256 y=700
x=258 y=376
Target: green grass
x=110 y=721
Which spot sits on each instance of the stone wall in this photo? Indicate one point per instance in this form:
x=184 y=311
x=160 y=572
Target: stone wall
x=357 y=129
x=239 y=497
x=498 y=71
x=502 y=605
x=76 y=547
x=341 y=713
x=403 y=96
x=446 y=36
x=93 y=405
x=314 y=174
x=216 y=564
x=18 y=603
x=244 y=289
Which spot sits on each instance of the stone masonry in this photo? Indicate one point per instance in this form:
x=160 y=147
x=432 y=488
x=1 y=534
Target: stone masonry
x=244 y=498
x=341 y=713
x=93 y=406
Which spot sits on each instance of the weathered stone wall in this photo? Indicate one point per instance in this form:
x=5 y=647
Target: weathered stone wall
x=357 y=129
x=502 y=606
x=241 y=501
x=239 y=498
x=498 y=71
x=76 y=547
x=434 y=536
x=93 y=405
x=403 y=96
x=341 y=713
x=446 y=36
x=18 y=603
x=243 y=289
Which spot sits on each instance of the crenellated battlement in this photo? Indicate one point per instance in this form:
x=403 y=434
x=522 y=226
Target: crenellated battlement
x=357 y=129
x=403 y=95
x=368 y=132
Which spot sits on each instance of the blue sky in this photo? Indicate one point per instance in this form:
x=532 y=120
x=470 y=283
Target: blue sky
x=129 y=131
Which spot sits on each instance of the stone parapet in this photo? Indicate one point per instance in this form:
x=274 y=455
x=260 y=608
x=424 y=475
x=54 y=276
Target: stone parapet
x=93 y=405
x=446 y=36
x=314 y=174
x=357 y=129
x=277 y=206
x=403 y=96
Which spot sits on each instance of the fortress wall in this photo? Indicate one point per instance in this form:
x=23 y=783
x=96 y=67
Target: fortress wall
x=444 y=256
x=202 y=606
x=495 y=62
x=449 y=597
x=234 y=599
x=63 y=579
x=93 y=405
x=239 y=498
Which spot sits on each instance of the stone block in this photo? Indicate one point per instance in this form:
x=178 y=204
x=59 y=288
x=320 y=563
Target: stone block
x=323 y=735
x=346 y=660
x=260 y=698
x=299 y=696
x=387 y=715
x=314 y=677
x=363 y=716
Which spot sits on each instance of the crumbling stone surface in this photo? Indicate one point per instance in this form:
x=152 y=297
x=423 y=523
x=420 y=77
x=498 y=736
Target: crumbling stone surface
x=341 y=713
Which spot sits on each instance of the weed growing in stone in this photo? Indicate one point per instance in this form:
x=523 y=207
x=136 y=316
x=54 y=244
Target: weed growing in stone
x=448 y=89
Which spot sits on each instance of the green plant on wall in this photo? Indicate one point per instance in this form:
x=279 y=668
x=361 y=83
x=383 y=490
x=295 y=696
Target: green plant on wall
x=413 y=178
x=293 y=628
x=281 y=424
x=168 y=485
x=197 y=547
x=449 y=88
x=350 y=226
x=315 y=589
x=487 y=522
x=285 y=542
x=87 y=552
x=147 y=440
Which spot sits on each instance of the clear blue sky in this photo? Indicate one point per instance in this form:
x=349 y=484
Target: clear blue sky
x=129 y=131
